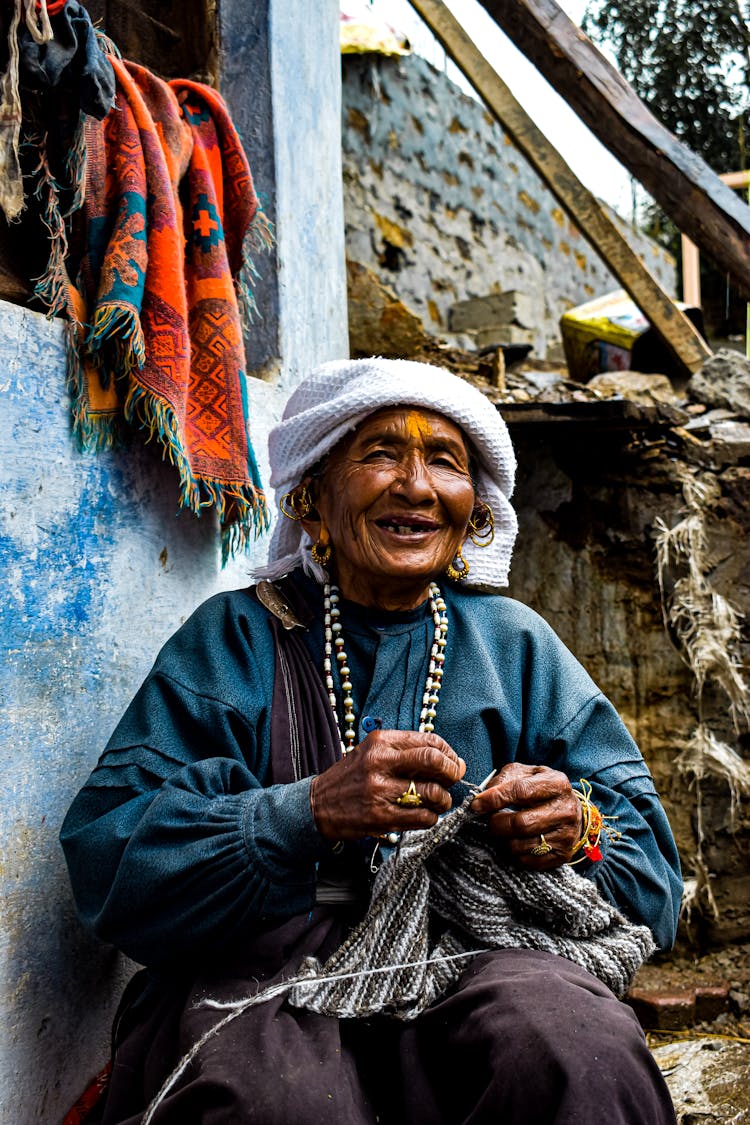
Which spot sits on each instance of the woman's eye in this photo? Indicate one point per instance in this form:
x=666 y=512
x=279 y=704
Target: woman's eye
x=379 y=454
x=445 y=461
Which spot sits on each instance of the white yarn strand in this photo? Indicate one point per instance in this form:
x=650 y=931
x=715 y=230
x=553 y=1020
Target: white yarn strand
x=236 y=1008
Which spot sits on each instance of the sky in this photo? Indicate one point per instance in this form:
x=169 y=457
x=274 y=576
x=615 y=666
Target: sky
x=589 y=159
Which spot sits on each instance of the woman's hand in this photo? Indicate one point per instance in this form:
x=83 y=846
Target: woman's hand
x=525 y=803
x=358 y=796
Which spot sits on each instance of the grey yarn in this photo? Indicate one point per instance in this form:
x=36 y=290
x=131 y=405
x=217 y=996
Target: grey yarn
x=444 y=893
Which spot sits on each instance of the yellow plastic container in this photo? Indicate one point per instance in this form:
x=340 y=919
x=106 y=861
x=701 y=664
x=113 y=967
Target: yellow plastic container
x=611 y=333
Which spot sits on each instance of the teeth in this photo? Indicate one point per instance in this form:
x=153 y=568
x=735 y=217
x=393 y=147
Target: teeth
x=405 y=529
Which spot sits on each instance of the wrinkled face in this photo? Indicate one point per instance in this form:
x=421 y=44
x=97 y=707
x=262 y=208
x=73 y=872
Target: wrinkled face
x=396 y=498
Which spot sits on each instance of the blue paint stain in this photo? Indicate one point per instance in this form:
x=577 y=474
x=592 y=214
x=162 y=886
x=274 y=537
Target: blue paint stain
x=56 y=589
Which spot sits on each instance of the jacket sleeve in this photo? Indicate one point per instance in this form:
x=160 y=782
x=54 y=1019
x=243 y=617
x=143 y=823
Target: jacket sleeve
x=173 y=844
x=572 y=727
x=640 y=869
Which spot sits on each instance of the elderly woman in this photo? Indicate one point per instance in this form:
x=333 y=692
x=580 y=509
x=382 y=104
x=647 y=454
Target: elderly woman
x=295 y=736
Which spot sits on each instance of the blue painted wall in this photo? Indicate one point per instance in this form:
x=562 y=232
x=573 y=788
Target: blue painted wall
x=98 y=570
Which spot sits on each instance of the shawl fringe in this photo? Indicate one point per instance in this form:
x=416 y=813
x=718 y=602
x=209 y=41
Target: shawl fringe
x=116 y=327
x=242 y=503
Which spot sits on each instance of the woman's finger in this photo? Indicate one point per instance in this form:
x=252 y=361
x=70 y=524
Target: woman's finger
x=394 y=780
x=422 y=794
x=519 y=785
x=413 y=755
x=562 y=813
x=542 y=853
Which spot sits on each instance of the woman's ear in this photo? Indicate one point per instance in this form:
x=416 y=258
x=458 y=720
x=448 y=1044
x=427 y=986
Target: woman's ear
x=311 y=521
x=312 y=525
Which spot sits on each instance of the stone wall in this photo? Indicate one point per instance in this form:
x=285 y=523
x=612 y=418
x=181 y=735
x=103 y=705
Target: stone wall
x=442 y=207
x=588 y=503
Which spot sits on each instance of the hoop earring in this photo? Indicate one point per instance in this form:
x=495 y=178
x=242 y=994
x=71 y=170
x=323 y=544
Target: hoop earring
x=297 y=504
x=458 y=572
x=482 y=525
x=321 y=551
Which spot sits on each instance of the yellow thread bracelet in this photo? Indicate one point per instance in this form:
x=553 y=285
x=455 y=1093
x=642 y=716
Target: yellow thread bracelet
x=593 y=826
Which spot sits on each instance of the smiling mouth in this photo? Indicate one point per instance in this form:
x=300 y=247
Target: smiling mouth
x=407 y=527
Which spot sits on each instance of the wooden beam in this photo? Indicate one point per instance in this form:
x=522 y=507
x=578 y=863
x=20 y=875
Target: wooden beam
x=678 y=333
x=735 y=179
x=691 y=272
x=682 y=183
x=174 y=38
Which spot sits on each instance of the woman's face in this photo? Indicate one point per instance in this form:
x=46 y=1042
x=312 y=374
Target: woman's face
x=396 y=498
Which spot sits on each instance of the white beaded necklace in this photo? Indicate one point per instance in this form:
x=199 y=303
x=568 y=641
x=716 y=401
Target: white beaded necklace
x=334 y=640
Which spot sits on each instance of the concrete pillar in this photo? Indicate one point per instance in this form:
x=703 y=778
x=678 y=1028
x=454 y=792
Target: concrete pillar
x=280 y=72
x=98 y=570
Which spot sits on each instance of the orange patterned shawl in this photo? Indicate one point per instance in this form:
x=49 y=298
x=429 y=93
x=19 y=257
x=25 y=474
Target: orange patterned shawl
x=169 y=209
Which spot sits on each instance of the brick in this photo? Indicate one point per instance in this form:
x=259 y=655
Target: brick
x=504 y=334
x=668 y=1010
x=711 y=1000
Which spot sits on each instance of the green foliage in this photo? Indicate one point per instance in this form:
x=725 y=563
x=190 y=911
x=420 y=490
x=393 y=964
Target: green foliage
x=689 y=62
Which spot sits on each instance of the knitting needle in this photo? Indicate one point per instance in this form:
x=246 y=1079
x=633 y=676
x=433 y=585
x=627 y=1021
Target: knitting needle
x=485 y=783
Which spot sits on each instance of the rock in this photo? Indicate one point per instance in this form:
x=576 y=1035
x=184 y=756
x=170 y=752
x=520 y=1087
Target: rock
x=479 y=313
x=379 y=323
x=544 y=380
x=504 y=334
x=707 y=1079
x=731 y=441
x=703 y=422
x=634 y=385
x=740 y=1001
x=723 y=381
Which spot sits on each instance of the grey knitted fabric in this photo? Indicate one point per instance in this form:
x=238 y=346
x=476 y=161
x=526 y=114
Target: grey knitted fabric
x=445 y=894
x=439 y=900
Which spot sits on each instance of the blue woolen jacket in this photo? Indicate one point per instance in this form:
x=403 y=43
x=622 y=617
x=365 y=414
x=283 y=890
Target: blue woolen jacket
x=177 y=846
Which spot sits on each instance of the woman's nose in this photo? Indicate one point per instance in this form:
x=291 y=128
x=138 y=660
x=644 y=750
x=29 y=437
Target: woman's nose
x=414 y=480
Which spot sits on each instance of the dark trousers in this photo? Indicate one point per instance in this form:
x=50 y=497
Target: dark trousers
x=523 y=1037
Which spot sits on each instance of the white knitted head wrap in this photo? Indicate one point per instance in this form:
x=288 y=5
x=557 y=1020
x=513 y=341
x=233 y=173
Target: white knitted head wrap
x=336 y=397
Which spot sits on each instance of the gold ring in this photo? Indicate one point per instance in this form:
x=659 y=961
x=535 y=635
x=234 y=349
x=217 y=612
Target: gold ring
x=542 y=848
x=410 y=799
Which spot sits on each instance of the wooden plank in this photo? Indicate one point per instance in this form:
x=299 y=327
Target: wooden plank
x=735 y=179
x=618 y=413
x=679 y=334
x=13 y=285
x=614 y=414
x=691 y=274
x=682 y=183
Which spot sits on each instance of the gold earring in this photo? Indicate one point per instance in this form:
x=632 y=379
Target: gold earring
x=321 y=551
x=458 y=572
x=297 y=504
x=482 y=525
